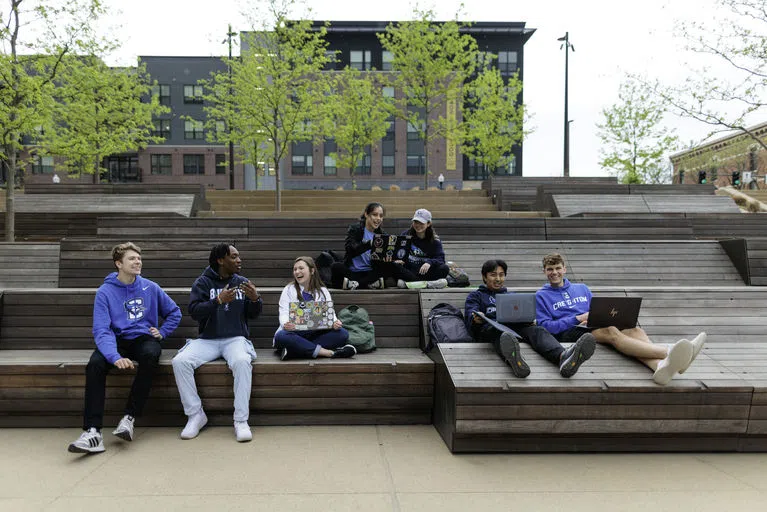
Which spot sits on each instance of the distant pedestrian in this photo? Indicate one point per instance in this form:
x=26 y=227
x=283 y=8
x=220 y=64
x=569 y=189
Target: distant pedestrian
x=56 y=178
x=441 y=180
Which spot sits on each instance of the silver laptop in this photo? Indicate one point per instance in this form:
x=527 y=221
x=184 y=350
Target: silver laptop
x=515 y=308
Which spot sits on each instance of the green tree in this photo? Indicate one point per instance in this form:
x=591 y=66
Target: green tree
x=493 y=118
x=359 y=116
x=724 y=100
x=432 y=61
x=28 y=67
x=634 y=138
x=277 y=87
x=98 y=111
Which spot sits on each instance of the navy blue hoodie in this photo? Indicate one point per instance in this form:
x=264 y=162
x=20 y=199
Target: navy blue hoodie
x=216 y=320
x=128 y=311
x=483 y=300
x=422 y=251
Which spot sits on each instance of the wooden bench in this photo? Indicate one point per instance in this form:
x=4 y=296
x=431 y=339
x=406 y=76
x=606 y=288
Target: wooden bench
x=729 y=225
x=612 y=404
x=52 y=227
x=645 y=263
x=519 y=192
x=83 y=262
x=45 y=343
x=29 y=265
x=544 y=201
x=625 y=227
x=566 y=205
x=65 y=204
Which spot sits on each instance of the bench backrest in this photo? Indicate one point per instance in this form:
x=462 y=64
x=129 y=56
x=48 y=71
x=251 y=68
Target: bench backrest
x=62 y=318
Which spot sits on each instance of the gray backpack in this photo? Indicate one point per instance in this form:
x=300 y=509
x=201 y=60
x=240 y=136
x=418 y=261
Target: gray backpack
x=446 y=325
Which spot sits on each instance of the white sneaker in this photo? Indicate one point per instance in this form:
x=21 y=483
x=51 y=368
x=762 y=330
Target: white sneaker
x=438 y=284
x=242 y=431
x=194 y=425
x=349 y=284
x=89 y=441
x=401 y=283
x=124 y=429
x=697 y=345
x=678 y=357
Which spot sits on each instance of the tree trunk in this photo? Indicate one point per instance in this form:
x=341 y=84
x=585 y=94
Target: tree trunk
x=10 y=208
x=426 y=156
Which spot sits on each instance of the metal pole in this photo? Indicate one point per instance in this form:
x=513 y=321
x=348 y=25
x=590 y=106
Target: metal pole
x=229 y=35
x=567 y=121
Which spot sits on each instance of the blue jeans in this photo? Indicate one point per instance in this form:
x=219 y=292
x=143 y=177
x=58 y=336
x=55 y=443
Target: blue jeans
x=307 y=344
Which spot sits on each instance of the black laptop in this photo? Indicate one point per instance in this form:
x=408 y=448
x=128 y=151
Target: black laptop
x=620 y=312
x=390 y=247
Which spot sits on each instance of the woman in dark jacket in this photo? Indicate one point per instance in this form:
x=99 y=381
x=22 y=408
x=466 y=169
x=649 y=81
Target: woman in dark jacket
x=425 y=265
x=357 y=269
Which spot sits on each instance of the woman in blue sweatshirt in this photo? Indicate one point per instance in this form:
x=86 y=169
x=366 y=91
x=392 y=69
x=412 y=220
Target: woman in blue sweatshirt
x=425 y=266
x=562 y=306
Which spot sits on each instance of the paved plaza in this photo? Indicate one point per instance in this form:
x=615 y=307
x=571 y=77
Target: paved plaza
x=367 y=468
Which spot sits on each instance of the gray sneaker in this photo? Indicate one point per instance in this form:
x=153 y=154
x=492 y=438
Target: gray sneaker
x=378 y=284
x=349 y=284
x=510 y=350
x=577 y=354
x=124 y=429
x=437 y=284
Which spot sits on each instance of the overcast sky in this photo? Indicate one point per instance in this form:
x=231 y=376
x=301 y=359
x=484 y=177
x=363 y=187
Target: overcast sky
x=610 y=38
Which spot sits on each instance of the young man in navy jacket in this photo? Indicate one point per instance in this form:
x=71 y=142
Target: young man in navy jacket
x=506 y=344
x=125 y=328
x=221 y=301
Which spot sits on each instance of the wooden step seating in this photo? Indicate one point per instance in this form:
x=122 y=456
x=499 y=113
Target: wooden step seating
x=519 y=192
x=612 y=404
x=29 y=265
x=645 y=263
x=566 y=205
x=65 y=204
x=46 y=341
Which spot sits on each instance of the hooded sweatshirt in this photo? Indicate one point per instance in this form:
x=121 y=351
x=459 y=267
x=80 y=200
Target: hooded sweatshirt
x=557 y=307
x=128 y=311
x=422 y=251
x=216 y=320
x=483 y=300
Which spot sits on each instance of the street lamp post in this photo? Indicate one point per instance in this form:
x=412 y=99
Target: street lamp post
x=229 y=36
x=567 y=46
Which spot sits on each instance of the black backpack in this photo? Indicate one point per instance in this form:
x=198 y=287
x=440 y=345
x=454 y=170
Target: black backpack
x=323 y=262
x=445 y=324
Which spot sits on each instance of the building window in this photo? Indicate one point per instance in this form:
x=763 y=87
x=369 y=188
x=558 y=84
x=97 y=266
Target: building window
x=302 y=165
x=388 y=91
x=359 y=59
x=330 y=165
x=192 y=94
x=43 y=165
x=388 y=165
x=194 y=164
x=162 y=91
x=161 y=164
x=415 y=164
x=193 y=129
x=363 y=167
x=413 y=133
x=507 y=62
x=220 y=163
x=332 y=59
x=161 y=128
x=387 y=58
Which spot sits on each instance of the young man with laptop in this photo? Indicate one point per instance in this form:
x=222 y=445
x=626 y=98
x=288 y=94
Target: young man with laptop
x=567 y=311
x=486 y=311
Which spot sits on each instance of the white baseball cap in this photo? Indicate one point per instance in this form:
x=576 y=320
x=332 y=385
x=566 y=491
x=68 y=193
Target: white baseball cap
x=422 y=215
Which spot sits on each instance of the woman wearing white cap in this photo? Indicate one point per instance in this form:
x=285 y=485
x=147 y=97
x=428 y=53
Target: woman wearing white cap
x=425 y=266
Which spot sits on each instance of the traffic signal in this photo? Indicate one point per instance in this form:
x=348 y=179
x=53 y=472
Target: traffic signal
x=702 y=177
x=735 y=178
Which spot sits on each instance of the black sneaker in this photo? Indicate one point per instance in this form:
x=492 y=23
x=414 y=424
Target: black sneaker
x=577 y=354
x=512 y=355
x=345 y=351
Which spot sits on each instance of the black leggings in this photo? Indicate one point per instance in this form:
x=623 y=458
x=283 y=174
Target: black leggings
x=438 y=271
x=380 y=269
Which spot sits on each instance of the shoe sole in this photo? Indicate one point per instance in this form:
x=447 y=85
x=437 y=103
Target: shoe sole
x=246 y=440
x=124 y=435
x=512 y=356
x=584 y=349
x=695 y=350
x=678 y=358
x=76 y=449
x=198 y=431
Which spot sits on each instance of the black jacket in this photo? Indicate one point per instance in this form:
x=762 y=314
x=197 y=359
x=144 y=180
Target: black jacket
x=353 y=244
